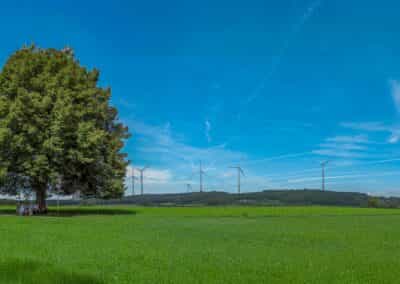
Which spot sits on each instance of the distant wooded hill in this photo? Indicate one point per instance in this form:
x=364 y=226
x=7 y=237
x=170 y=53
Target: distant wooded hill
x=264 y=198
x=267 y=197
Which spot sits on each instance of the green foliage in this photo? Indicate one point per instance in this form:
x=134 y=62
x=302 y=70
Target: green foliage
x=373 y=202
x=57 y=128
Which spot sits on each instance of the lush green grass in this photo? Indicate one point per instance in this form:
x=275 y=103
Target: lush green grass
x=202 y=245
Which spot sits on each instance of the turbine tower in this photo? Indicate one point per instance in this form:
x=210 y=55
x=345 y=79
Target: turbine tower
x=323 y=164
x=141 y=178
x=201 y=173
x=239 y=173
x=133 y=180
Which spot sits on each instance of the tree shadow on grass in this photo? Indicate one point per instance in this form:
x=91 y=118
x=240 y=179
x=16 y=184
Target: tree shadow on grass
x=85 y=211
x=7 y=211
x=77 y=211
x=32 y=272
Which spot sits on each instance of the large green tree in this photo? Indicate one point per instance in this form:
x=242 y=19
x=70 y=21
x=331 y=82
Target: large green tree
x=58 y=131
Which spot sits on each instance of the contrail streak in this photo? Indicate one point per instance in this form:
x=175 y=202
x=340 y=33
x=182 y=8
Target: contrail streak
x=281 y=157
x=295 y=30
x=298 y=173
x=342 y=177
x=368 y=163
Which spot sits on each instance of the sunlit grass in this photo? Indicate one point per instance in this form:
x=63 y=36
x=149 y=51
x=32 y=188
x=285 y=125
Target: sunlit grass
x=202 y=245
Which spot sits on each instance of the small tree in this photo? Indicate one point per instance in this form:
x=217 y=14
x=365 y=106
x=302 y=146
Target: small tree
x=373 y=202
x=57 y=129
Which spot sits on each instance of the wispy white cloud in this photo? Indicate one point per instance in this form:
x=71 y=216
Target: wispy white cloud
x=309 y=12
x=349 y=139
x=393 y=131
x=152 y=175
x=208 y=130
x=367 y=126
x=395 y=92
x=394 y=139
x=343 y=146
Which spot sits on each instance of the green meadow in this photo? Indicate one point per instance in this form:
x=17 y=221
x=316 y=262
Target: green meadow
x=201 y=245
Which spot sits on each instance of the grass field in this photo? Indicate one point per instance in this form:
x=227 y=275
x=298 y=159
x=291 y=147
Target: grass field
x=202 y=245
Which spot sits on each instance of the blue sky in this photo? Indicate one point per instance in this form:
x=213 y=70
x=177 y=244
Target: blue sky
x=275 y=86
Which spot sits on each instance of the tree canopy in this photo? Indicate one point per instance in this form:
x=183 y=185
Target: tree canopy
x=58 y=131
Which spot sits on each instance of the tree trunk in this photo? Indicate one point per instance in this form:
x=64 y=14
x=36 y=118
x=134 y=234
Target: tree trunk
x=41 y=200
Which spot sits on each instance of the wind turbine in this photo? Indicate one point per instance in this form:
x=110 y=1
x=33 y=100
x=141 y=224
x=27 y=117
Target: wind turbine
x=133 y=180
x=201 y=173
x=141 y=178
x=239 y=173
x=188 y=183
x=323 y=164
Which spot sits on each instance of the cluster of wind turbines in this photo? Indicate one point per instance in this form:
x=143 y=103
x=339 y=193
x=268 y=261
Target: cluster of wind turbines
x=240 y=173
x=141 y=171
x=188 y=185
